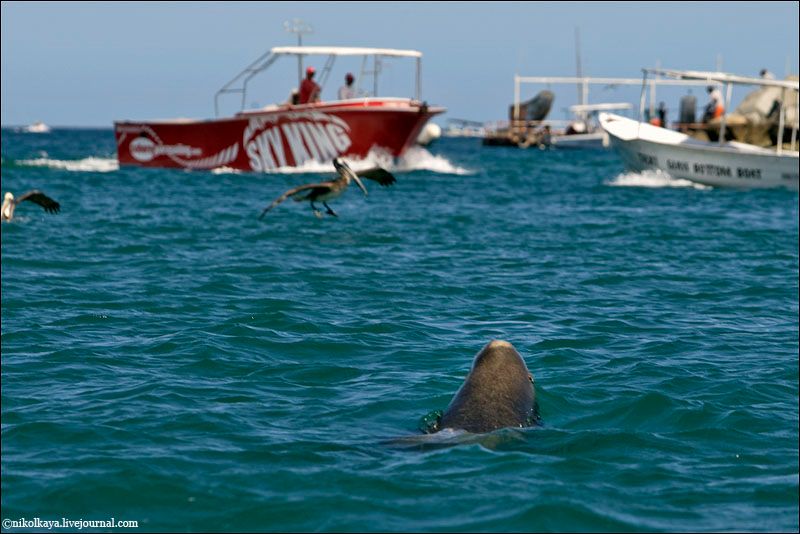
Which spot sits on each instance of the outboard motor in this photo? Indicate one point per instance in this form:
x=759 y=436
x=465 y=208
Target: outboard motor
x=687 y=109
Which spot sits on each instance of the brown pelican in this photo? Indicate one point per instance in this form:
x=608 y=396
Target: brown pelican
x=10 y=203
x=325 y=191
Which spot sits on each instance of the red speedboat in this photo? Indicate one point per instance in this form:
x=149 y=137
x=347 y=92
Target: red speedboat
x=284 y=135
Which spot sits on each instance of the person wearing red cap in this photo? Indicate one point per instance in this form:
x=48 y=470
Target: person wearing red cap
x=347 y=91
x=309 y=90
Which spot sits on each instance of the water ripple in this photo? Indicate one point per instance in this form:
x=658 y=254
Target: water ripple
x=169 y=358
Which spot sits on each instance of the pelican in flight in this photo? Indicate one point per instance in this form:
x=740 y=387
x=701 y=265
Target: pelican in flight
x=325 y=191
x=10 y=203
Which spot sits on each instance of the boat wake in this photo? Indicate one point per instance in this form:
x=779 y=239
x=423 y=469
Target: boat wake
x=419 y=159
x=415 y=159
x=90 y=164
x=225 y=170
x=652 y=179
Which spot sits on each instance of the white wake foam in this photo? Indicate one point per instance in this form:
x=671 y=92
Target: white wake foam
x=652 y=179
x=415 y=159
x=225 y=170
x=419 y=159
x=312 y=166
x=84 y=165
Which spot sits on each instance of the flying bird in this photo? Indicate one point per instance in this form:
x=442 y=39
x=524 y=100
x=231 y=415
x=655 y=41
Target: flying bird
x=325 y=191
x=10 y=203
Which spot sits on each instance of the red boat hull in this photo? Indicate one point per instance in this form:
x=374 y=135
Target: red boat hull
x=281 y=136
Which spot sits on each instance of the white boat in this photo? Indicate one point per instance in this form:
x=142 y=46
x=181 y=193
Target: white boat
x=584 y=131
x=722 y=163
x=37 y=127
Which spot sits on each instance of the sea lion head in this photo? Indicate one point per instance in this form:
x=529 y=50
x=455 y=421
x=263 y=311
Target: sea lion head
x=498 y=392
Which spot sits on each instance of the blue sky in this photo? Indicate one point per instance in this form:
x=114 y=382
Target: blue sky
x=87 y=64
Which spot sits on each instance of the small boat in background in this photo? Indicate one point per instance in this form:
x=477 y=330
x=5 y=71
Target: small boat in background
x=524 y=118
x=37 y=127
x=719 y=163
x=584 y=131
x=464 y=128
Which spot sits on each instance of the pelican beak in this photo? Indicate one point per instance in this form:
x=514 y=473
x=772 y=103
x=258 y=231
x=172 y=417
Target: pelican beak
x=358 y=181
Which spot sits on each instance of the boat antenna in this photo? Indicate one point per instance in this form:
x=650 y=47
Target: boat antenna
x=578 y=63
x=299 y=27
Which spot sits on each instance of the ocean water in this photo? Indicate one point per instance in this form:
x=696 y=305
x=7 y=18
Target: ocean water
x=167 y=358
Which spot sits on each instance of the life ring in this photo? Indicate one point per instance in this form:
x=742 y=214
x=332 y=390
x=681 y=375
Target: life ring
x=525 y=143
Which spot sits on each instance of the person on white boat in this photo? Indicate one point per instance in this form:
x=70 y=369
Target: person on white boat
x=546 y=139
x=714 y=108
x=661 y=112
x=347 y=91
x=767 y=75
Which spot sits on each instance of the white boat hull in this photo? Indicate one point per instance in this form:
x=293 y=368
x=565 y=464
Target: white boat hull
x=589 y=140
x=643 y=147
x=37 y=127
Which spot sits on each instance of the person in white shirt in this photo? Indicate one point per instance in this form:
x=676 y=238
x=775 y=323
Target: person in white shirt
x=347 y=91
x=714 y=109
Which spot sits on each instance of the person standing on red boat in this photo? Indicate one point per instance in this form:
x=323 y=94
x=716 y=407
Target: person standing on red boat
x=347 y=92
x=309 y=90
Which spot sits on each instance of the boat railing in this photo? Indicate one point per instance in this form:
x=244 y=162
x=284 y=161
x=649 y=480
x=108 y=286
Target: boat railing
x=520 y=126
x=239 y=83
x=465 y=122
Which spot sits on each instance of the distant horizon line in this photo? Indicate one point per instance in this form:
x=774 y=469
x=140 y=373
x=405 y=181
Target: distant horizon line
x=64 y=127
x=59 y=127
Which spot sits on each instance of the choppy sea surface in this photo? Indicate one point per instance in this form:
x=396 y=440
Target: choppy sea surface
x=170 y=359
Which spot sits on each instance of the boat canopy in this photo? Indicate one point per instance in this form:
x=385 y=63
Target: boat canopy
x=343 y=51
x=239 y=82
x=722 y=77
x=729 y=80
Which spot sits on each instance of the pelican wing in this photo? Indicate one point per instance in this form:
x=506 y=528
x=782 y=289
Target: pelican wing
x=36 y=196
x=382 y=176
x=292 y=192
